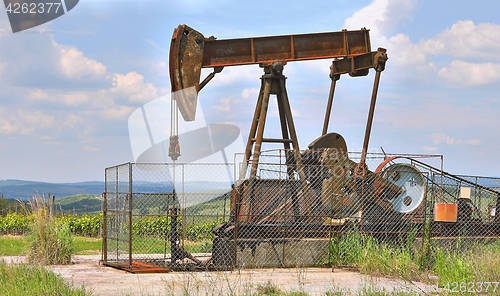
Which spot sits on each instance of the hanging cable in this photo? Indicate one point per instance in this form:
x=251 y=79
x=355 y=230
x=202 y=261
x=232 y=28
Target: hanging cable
x=174 y=150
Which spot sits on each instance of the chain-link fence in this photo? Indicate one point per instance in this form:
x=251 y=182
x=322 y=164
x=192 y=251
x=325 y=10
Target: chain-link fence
x=295 y=212
x=161 y=214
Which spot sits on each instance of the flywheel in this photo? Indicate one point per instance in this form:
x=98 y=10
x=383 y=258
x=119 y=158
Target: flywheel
x=412 y=183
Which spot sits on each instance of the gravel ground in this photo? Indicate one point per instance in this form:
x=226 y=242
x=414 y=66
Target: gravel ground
x=314 y=281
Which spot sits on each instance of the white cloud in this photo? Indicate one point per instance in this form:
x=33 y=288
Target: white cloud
x=438 y=138
x=463 y=40
x=117 y=112
x=60 y=97
x=474 y=142
x=90 y=148
x=234 y=75
x=466 y=40
x=274 y=112
x=442 y=138
x=132 y=85
x=225 y=104
x=105 y=104
x=250 y=92
x=464 y=74
x=48 y=140
x=36 y=119
x=34 y=59
x=402 y=51
x=75 y=98
x=38 y=95
x=72 y=120
x=160 y=68
x=24 y=122
x=380 y=16
x=372 y=17
x=4 y=27
x=86 y=135
x=75 y=65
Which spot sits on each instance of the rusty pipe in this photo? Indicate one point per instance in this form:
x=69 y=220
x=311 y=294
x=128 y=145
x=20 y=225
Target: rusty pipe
x=379 y=66
x=369 y=122
x=334 y=78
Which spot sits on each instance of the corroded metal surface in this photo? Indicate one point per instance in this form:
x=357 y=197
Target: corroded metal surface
x=190 y=51
x=186 y=54
x=285 y=48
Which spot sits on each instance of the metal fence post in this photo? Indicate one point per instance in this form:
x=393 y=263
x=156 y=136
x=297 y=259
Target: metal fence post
x=183 y=207
x=237 y=199
x=130 y=215
x=117 y=175
x=104 y=233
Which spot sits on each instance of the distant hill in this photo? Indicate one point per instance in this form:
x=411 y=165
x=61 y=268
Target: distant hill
x=79 y=203
x=24 y=190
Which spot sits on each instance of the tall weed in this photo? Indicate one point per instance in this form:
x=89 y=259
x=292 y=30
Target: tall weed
x=477 y=263
x=371 y=256
x=50 y=242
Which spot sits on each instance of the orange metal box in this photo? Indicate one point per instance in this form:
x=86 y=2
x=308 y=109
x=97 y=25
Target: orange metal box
x=444 y=212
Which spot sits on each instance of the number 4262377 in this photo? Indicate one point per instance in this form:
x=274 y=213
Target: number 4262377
x=33 y=7
x=471 y=287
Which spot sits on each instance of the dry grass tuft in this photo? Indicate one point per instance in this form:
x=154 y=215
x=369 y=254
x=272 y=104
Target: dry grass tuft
x=49 y=242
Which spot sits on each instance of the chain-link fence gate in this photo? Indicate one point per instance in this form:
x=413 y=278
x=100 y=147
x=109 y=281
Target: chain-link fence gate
x=156 y=215
x=196 y=216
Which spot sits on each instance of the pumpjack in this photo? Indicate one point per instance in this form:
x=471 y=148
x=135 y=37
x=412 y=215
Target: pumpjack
x=322 y=180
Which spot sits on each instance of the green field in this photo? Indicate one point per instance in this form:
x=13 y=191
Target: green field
x=16 y=245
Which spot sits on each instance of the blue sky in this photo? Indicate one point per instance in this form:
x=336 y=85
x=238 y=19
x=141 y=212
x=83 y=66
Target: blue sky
x=69 y=86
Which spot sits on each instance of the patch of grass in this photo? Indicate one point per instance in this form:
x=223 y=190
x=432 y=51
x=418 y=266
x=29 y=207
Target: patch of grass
x=485 y=261
x=34 y=280
x=204 y=246
x=86 y=245
x=16 y=245
x=387 y=259
x=373 y=257
x=272 y=290
x=268 y=289
x=158 y=245
x=12 y=245
x=477 y=263
x=451 y=267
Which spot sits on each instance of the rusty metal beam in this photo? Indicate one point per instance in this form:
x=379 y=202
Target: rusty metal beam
x=190 y=51
x=285 y=48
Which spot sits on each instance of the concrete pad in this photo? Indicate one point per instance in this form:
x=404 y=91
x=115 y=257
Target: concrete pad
x=314 y=281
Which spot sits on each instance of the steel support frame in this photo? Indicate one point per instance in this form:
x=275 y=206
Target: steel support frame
x=272 y=82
